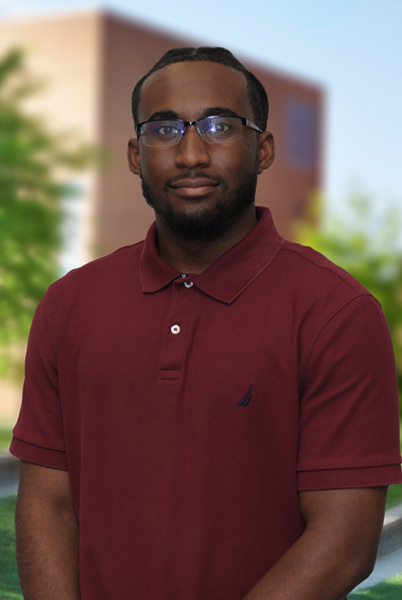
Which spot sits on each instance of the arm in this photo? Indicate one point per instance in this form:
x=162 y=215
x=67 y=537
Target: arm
x=47 y=535
x=337 y=550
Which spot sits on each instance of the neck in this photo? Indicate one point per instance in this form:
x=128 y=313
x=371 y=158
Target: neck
x=193 y=256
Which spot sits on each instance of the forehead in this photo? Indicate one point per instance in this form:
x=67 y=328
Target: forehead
x=190 y=88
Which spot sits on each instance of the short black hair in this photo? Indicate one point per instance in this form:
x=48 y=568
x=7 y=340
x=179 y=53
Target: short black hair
x=256 y=91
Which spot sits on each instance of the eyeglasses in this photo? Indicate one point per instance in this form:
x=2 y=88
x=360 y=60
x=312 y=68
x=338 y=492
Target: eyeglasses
x=214 y=130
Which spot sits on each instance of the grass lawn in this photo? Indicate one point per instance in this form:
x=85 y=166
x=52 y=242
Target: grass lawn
x=387 y=590
x=9 y=584
x=394 y=496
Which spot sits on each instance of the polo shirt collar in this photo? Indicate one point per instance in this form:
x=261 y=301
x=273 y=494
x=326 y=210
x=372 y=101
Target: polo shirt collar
x=228 y=276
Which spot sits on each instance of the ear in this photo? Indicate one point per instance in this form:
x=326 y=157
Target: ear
x=266 y=151
x=133 y=156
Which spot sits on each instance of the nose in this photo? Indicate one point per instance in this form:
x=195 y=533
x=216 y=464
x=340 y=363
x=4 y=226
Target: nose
x=192 y=151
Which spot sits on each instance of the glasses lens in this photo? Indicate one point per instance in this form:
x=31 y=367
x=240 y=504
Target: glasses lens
x=162 y=133
x=220 y=130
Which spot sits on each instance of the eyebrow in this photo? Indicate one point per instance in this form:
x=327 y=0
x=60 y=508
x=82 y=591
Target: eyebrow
x=163 y=114
x=207 y=112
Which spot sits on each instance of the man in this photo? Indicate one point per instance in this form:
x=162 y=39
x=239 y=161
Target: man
x=210 y=414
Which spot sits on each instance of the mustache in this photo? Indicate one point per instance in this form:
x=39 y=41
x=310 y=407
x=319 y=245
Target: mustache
x=194 y=175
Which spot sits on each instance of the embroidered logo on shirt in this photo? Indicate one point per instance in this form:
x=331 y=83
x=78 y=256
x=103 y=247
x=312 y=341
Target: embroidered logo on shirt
x=246 y=398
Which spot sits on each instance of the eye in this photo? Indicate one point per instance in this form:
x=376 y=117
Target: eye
x=221 y=128
x=218 y=127
x=166 y=130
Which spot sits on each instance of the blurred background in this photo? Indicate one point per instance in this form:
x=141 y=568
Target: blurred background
x=67 y=69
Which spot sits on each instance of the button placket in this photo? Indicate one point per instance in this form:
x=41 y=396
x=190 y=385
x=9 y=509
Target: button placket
x=176 y=331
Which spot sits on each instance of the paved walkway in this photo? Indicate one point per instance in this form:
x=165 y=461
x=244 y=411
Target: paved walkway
x=8 y=490
x=389 y=561
x=386 y=567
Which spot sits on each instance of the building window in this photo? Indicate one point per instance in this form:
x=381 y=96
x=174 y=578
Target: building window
x=301 y=134
x=73 y=228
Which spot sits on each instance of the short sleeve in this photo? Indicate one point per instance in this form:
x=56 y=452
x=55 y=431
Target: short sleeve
x=349 y=425
x=38 y=434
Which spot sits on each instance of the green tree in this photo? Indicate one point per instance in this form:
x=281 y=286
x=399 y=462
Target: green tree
x=31 y=159
x=366 y=242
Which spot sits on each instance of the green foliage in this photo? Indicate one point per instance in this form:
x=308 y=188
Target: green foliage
x=5 y=436
x=366 y=242
x=31 y=160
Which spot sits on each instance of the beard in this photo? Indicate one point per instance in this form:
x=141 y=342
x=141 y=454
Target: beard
x=209 y=223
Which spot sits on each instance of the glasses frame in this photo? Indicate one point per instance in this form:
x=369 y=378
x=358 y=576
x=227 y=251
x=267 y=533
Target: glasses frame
x=184 y=124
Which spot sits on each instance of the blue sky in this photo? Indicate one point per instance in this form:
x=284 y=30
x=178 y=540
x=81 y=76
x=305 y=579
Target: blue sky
x=352 y=48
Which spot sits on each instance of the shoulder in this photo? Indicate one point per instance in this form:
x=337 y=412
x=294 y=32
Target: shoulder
x=314 y=268
x=104 y=271
x=315 y=292
x=95 y=284
x=317 y=284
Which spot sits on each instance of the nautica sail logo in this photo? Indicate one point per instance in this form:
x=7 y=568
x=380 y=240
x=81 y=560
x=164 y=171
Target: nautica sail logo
x=246 y=398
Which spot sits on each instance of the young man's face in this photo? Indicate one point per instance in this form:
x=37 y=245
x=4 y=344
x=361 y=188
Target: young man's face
x=197 y=188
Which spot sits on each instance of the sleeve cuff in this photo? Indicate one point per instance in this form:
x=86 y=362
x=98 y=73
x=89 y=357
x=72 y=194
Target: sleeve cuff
x=349 y=478
x=45 y=457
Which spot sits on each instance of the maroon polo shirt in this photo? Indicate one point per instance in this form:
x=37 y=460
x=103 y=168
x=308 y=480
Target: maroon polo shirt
x=190 y=409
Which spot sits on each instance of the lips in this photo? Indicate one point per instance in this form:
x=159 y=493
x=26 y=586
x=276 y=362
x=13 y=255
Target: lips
x=191 y=187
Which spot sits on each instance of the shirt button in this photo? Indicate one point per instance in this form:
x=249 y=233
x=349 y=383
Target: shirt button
x=188 y=284
x=175 y=329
